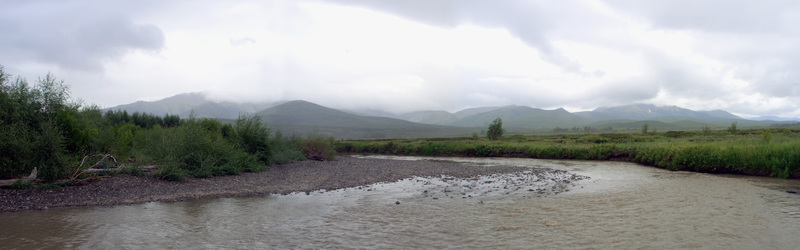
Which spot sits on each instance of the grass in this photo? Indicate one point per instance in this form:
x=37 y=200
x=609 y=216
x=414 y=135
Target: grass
x=764 y=152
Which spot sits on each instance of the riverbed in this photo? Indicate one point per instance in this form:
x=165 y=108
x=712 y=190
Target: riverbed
x=619 y=205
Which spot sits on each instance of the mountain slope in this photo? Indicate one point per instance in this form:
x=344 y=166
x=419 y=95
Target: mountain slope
x=303 y=117
x=174 y=105
x=474 y=111
x=523 y=117
x=641 y=112
x=189 y=104
x=775 y=118
x=439 y=117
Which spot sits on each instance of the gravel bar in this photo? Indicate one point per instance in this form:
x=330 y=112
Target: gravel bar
x=305 y=176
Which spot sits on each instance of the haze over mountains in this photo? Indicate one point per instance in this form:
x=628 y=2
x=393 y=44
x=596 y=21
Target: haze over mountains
x=196 y=104
x=302 y=117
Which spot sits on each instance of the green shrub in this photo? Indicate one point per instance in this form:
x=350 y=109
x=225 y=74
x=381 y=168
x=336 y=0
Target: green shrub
x=732 y=129
x=131 y=170
x=32 y=135
x=253 y=136
x=317 y=147
x=49 y=154
x=22 y=184
x=42 y=129
x=285 y=150
x=170 y=173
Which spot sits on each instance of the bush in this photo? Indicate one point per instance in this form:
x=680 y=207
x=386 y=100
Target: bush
x=193 y=149
x=42 y=128
x=732 y=129
x=253 y=136
x=317 y=147
x=22 y=184
x=170 y=173
x=285 y=150
x=32 y=134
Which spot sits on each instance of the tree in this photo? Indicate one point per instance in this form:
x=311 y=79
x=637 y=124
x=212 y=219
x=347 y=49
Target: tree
x=732 y=128
x=645 y=126
x=495 y=129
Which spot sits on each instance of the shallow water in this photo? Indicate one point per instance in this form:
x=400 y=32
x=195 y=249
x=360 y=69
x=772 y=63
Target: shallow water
x=622 y=205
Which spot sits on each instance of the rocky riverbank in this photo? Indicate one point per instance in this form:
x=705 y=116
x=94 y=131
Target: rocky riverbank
x=304 y=176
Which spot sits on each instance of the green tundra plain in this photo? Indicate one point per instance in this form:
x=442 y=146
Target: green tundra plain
x=765 y=152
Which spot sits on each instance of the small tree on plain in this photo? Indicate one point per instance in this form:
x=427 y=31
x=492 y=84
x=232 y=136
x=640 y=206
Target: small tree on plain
x=732 y=128
x=495 y=129
x=645 y=126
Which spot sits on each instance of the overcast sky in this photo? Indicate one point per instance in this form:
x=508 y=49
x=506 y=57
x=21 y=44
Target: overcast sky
x=399 y=56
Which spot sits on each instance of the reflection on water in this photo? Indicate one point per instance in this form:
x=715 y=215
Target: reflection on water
x=623 y=205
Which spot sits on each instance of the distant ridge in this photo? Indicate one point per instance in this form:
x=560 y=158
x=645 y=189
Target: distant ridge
x=775 y=118
x=522 y=117
x=196 y=104
x=174 y=105
x=652 y=112
x=431 y=117
x=303 y=117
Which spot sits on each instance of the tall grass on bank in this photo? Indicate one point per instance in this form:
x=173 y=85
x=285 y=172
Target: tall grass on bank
x=773 y=152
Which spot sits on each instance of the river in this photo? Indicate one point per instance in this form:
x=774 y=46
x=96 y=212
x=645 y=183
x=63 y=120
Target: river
x=621 y=205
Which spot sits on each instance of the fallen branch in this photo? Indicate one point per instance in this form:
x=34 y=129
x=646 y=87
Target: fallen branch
x=9 y=182
x=92 y=168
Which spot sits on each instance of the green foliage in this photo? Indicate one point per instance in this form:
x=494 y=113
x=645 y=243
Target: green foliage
x=122 y=139
x=197 y=148
x=32 y=134
x=131 y=170
x=766 y=136
x=48 y=155
x=41 y=128
x=142 y=120
x=645 y=126
x=495 y=129
x=22 y=184
x=170 y=173
x=774 y=152
x=317 y=147
x=285 y=150
x=732 y=129
x=253 y=136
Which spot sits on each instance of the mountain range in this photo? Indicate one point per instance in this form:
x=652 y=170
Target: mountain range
x=194 y=104
x=302 y=117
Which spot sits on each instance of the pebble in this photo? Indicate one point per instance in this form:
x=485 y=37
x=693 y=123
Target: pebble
x=300 y=177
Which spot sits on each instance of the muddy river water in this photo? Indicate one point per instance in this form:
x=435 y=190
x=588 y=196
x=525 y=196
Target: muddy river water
x=621 y=205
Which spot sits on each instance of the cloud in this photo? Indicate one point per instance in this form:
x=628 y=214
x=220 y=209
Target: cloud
x=752 y=46
x=72 y=36
x=242 y=41
x=521 y=18
x=403 y=56
x=728 y=16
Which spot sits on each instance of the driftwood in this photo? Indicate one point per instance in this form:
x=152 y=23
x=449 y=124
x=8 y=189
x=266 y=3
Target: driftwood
x=79 y=171
x=92 y=168
x=9 y=182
